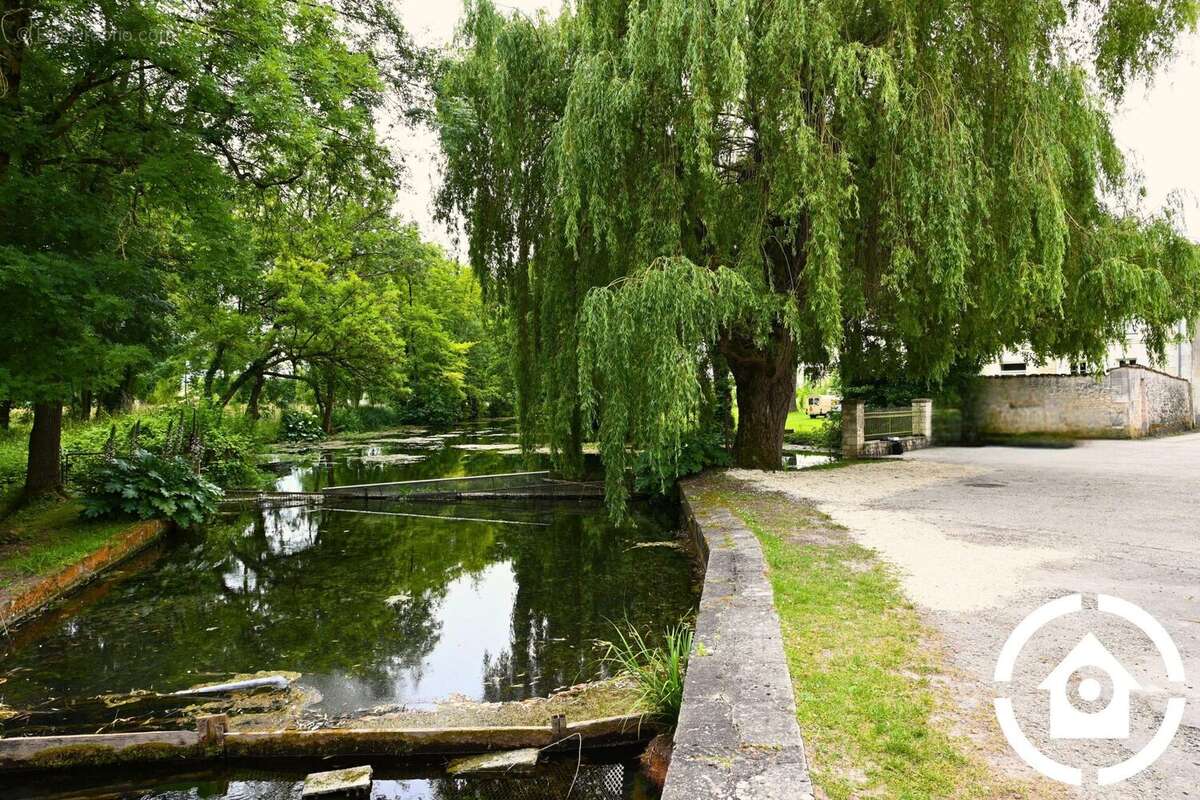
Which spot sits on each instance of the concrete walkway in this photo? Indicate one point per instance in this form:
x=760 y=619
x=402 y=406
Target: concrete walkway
x=983 y=536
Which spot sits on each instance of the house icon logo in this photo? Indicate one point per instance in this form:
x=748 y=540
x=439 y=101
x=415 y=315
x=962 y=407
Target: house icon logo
x=1066 y=720
x=1073 y=684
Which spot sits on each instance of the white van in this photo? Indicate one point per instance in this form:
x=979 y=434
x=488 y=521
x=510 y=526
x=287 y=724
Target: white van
x=821 y=405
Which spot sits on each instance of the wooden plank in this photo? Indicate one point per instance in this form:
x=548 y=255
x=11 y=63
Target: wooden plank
x=60 y=752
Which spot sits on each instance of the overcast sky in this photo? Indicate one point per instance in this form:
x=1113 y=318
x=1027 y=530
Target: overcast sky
x=1157 y=125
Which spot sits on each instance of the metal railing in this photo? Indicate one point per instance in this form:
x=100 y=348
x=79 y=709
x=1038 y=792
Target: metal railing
x=888 y=422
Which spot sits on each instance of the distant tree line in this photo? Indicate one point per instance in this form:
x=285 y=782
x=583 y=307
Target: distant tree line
x=198 y=191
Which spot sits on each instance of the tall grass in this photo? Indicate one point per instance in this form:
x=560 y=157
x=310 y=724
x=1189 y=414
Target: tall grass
x=657 y=672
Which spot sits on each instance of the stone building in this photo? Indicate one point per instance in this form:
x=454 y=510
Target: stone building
x=1182 y=360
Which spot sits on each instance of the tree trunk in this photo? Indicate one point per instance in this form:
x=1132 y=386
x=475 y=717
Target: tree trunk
x=257 y=367
x=327 y=409
x=43 y=472
x=83 y=410
x=5 y=414
x=255 y=394
x=210 y=375
x=766 y=384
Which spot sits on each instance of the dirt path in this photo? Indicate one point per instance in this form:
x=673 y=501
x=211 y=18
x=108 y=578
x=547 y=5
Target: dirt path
x=982 y=537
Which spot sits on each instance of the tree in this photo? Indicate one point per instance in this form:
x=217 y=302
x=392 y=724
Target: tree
x=132 y=137
x=809 y=179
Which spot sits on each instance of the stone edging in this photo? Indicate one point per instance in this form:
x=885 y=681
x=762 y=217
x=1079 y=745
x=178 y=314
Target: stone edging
x=737 y=735
x=30 y=596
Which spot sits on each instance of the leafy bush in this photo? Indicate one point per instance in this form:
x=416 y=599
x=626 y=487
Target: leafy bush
x=300 y=426
x=150 y=486
x=364 y=418
x=698 y=450
x=223 y=445
x=657 y=671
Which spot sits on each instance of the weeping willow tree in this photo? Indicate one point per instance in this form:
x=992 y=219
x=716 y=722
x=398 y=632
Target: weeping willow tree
x=662 y=185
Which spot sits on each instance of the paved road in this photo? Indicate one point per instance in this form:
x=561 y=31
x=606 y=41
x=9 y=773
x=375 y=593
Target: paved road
x=983 y=536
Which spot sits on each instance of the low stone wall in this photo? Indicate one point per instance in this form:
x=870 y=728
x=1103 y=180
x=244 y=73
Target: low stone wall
x=737 y=735
x=30 y=596
x=1128 y=402
x=878 y=448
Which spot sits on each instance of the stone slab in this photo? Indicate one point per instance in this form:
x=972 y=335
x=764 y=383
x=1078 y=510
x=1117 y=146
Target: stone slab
x=737 y=736
x=351 y=782
x=508 y=762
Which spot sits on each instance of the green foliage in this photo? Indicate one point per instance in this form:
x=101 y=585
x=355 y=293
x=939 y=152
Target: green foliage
x=223 y=445
x=150 y=486
x=299 y=426
x=904 y=184
x=699 y=449
x=358 y=419
x=640 y=368
x=826 y=436
x=658 y=671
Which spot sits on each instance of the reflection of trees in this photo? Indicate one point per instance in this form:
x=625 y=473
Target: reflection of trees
x=230 y=602
x=573 y=584
x=304 y=590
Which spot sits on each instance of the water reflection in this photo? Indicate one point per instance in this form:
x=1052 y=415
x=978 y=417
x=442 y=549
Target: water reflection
x=371 y=608
x=553 y=781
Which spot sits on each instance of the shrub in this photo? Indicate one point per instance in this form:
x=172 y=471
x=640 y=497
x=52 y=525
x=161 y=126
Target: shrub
x=300 y=426
x=364 y=418
x=224 y=445
x=149 y=486
x=698 y=450
x=658 y=672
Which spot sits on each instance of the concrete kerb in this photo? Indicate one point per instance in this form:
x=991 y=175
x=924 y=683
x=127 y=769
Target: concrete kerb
x=737 y=735
x=30 y=596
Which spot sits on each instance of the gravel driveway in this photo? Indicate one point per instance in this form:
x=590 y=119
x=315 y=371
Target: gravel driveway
x=983 y=536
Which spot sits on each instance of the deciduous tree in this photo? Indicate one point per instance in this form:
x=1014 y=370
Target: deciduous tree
x=810 y=180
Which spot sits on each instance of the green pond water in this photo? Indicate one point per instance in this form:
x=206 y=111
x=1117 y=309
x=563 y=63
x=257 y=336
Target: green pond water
x=496 y=602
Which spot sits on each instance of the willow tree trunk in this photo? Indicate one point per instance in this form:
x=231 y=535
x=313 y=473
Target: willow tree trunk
x=43 y=470
x=5 y=414
x=766 y=385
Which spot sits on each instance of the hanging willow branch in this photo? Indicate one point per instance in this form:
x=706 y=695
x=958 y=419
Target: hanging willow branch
x=639 y=360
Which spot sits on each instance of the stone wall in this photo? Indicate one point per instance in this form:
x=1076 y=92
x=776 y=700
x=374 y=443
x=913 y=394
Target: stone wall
x=737 y=737
x=1128 y=402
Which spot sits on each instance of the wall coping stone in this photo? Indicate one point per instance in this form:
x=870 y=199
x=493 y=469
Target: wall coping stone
x=737 y=737
x=1093 y=376
x=28 y=597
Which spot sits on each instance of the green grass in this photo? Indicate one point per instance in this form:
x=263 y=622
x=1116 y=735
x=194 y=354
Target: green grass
x=49 y=535
x=14 y=445
x=867 y=674
x=800 y=422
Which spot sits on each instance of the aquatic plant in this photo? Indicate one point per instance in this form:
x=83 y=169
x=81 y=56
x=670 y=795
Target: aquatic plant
x=300 y=426
x=658 y=671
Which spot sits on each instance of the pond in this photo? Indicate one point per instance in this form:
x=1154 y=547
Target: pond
x=373 y=604
x=484 y=449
